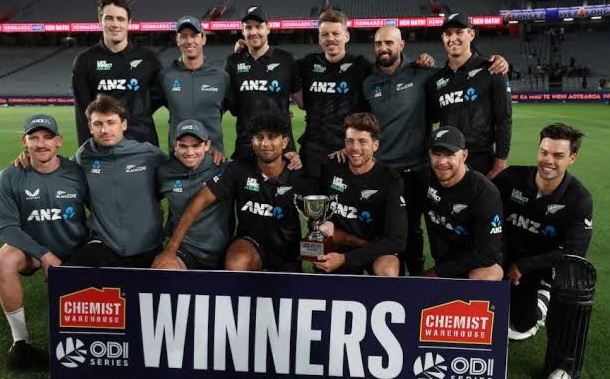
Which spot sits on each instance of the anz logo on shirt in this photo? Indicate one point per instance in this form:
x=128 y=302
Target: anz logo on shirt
x=178 y=186
x=442 y=220
x=531 y=226
x=456 y=97
x=118 y=84
x=52 y=214
x=329 y=87
x=96 y=167
x=260 y=85
x=496 y=225
x=345 y=211
x=265 y=210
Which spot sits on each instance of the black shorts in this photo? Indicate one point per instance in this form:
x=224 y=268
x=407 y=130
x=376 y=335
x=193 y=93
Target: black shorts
x=96 y=254
x=273 y=260
x=194 y=263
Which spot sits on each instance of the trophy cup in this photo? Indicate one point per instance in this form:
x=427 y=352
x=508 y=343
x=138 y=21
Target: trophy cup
x=316 y=210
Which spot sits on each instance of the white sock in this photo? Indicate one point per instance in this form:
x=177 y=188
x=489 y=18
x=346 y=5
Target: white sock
x=16 y=320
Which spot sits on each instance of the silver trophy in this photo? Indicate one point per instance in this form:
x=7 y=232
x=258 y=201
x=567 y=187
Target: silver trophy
x=315 y=209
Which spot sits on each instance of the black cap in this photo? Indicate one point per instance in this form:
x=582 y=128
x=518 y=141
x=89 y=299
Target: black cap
x=189 y=22
x=447 y=138
x=256 y=13
x=40 y=121
x=456 y=20
x=193 y=128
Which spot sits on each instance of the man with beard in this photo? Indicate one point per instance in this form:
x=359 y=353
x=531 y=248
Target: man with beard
x=192 y=88
x=189 y=170
x=396 y=94
x=548 y=215
x=463 y=213
x=369 y=226
x=466 y=95
x=42 y=221
x=118 y=68
x=268 y=227
x=263 y=78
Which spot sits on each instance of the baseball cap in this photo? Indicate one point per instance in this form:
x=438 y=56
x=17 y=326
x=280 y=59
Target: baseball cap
x=193 y=128
x=189 y=22
x=40 y=121
x=256 y=13
x=447 y=137
x=459 y=20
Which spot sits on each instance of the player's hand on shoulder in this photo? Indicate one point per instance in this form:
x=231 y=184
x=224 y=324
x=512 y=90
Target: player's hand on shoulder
x=425 y=60
x=339 y=155
x=23 y=160
x=499 y=65
x=240 y=46
x=217 y=157
x=294 y=160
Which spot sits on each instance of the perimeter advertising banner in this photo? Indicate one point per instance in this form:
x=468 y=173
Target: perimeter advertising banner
x=124 y=324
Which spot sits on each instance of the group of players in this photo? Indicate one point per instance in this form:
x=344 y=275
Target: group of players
x=368 y=140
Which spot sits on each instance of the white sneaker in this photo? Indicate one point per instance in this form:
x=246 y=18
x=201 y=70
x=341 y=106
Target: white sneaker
x=520 y=336
x=559 y=374
x=544 y=299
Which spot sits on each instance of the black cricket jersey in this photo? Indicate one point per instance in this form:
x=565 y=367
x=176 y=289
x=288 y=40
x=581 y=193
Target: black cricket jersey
x=130 y=76
x=42 y=212
x=331 y=91
x=538 y=230
x=476 y=102
x=265 y=207
x=258 y=85
x=464 y=224
x=369 y=206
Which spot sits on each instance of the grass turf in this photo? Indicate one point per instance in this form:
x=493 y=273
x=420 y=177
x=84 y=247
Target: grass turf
x=525 y=358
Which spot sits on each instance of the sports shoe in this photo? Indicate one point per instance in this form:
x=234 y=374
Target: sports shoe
x=24 y=357
x=515 y=335
x=544 y=299
x=559 y=374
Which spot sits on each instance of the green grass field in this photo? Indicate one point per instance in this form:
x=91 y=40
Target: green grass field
x=525 y=358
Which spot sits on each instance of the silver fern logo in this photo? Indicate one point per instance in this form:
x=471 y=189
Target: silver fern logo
x=366 y=194
x=71 y=352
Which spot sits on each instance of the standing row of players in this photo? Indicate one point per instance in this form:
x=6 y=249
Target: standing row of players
x=370 y=233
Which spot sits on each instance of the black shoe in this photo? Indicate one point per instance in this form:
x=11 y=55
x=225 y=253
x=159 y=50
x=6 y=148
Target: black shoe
x=24 y=357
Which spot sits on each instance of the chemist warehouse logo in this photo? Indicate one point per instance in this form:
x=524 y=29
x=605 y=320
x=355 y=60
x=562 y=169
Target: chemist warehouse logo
x=93 y=308
x=457 y=322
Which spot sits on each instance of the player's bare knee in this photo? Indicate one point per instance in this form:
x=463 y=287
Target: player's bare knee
x=13 y=260
x=242 y=255
x=386 y=265
x=493 y=272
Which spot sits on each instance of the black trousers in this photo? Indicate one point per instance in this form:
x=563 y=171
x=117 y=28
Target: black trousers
x=416 y=186
x=97 y=254
x=524 y=312
x=481 y=162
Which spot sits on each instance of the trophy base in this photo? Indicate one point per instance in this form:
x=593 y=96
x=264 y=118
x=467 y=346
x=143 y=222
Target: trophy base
x=310 y=250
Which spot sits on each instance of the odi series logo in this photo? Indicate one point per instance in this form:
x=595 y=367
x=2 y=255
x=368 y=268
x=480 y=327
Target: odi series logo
x=93 y=308
x=457 y=322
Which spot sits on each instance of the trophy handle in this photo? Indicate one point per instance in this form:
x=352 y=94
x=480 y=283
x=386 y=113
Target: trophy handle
x=296 y=199
x=327 y=214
